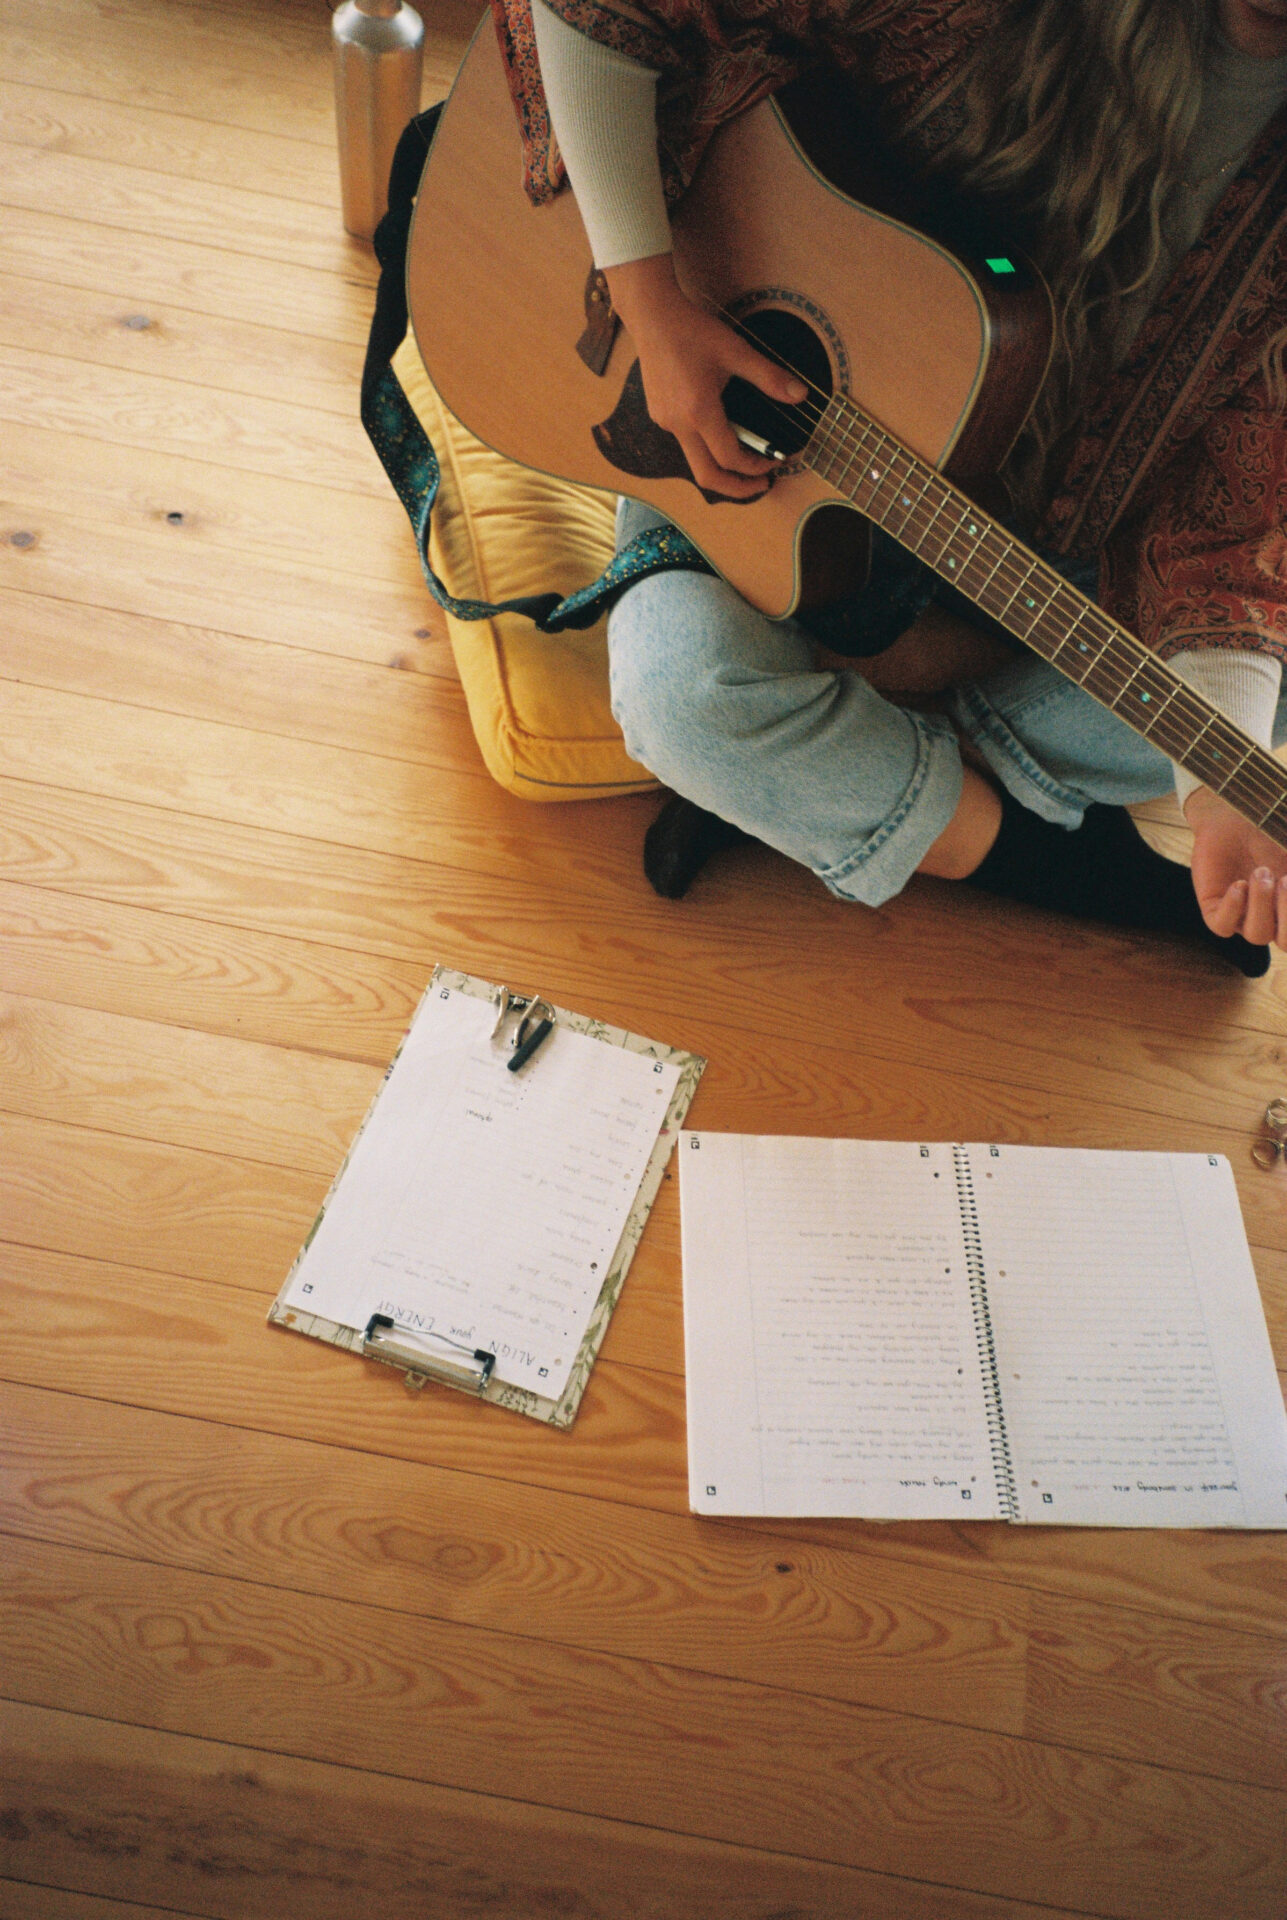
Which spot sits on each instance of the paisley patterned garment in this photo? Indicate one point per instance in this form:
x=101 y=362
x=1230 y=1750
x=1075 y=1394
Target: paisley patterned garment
x=1178 y=481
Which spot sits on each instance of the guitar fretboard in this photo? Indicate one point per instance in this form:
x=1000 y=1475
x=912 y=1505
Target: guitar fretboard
x=926 y=514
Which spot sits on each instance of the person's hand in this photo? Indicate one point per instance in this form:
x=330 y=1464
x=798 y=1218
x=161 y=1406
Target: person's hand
x=687 y=356
x=1239 y=876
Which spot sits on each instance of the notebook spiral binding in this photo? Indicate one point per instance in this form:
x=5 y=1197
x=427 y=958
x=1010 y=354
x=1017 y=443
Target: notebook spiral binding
x=1002 y=1465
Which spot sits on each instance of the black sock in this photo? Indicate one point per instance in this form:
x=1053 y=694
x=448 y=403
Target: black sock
x=1102 y=870
x=679 y=843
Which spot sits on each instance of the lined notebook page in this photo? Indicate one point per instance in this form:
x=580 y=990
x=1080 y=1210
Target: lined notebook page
x=1136 y=1374
x=482 y=1205
x=830 y=1347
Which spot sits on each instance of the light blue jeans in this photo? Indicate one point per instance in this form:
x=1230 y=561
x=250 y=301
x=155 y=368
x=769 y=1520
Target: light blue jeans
x=728 y=708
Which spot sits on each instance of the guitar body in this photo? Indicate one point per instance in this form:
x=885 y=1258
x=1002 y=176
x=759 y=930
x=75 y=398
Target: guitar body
x=944 y=349
x=923 y=338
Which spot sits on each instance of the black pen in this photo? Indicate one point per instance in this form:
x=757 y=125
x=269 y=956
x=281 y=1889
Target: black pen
x=523 y=1053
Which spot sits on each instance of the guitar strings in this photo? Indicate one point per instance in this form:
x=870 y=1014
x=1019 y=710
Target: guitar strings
x=1262 y=784
x=1257 y=778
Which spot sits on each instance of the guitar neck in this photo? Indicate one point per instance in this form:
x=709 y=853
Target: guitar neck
x=926 y=514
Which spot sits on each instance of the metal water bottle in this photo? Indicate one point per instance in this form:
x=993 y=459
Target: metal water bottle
x=379 y=53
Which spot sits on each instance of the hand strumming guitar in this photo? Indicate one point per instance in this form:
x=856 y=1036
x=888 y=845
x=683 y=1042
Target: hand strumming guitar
x=687 y=357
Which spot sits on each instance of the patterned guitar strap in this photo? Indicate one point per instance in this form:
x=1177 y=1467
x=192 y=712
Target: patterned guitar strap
x=407 y=454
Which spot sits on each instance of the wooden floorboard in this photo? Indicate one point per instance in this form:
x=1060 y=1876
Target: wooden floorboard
x=94 y=328
x=155 y=568
x=187 y=1493
x=278 y=1638
x=27 y=1900
x=197 y=973
x=822 y=1622
x=181 y=146
x=64 y=249
x=492 y=1712
x=154 y=1340
x=204 y=674
x=200 y=423
x=449 y=859
x=259 y=1834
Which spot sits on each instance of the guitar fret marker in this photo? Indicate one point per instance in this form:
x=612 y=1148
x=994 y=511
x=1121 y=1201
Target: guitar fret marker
x=998 y=573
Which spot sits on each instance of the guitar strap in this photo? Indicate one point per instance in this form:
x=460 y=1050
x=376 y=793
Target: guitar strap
x=407 y=454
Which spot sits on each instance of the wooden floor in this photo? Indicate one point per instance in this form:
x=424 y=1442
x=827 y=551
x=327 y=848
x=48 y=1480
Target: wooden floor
x=276 y=1639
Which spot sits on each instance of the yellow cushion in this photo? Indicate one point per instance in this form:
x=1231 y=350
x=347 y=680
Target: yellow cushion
x=538 y=702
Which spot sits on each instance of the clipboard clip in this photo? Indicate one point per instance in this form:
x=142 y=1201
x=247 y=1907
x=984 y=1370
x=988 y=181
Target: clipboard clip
x=523 y=1021
x=431 y=1355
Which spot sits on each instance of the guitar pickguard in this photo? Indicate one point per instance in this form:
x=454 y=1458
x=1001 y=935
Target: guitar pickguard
x=631 y=441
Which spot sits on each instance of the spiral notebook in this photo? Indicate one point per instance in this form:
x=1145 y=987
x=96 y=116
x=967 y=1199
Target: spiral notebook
x=480 y=1228
x=899 y=1331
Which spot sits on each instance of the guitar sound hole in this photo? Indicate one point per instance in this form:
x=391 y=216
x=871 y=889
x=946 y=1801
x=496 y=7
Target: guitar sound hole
x=792 y=342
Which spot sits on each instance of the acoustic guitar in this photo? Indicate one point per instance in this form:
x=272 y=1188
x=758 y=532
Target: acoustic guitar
x=922 y=338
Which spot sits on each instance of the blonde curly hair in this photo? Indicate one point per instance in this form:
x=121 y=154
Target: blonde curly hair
x=1079 y=114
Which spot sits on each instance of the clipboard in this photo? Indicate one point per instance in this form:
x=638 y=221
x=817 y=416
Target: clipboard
x=523 y=1024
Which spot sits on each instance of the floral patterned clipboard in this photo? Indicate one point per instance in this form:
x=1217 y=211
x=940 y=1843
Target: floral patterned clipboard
x=558 y=1412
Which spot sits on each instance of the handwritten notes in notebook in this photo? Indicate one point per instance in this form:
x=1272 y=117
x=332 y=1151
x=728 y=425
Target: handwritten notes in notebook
x=482 y=1206
x=904 y=1331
